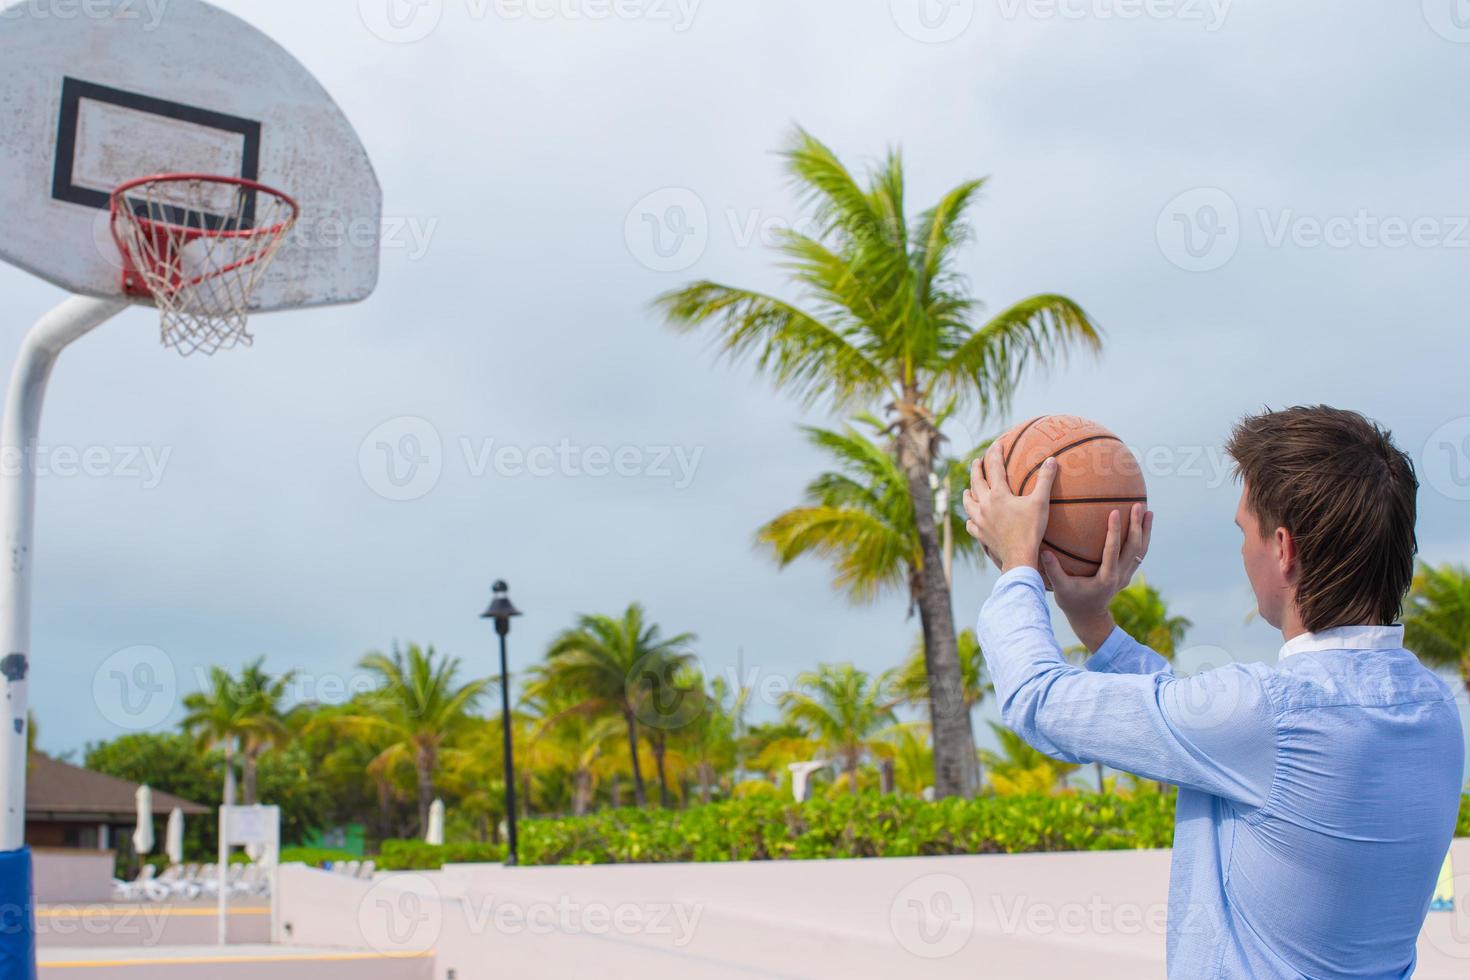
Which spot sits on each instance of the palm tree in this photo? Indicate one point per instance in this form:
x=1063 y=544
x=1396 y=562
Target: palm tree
x=842 y=710
x=1141 y=612
x=709 y=742
x=904 y=751
x=1437 y=618
x=239 y=715
x=266 y=726
x=912 y=681
x=416 y=709
x=1019 y=768
x=570 y=735
x=616 y=665
x=859 y=517
x=671 y=696
x=886 y=318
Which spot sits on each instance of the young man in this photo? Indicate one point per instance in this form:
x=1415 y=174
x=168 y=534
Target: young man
x=1317 y=796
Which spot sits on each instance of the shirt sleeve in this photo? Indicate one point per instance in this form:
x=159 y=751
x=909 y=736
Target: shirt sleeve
x=1122 y=654
x=1214 y=731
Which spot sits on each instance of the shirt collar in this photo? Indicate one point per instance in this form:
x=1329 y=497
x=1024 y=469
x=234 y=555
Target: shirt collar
x=1346 y=638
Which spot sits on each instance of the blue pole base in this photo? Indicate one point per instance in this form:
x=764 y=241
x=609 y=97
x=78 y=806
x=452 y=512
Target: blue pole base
x=17 y=917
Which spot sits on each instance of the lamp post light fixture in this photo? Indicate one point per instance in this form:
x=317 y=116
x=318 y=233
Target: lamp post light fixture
x=501 y=610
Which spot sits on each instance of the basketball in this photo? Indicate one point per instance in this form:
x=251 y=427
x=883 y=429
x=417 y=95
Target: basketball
x=1096 y=474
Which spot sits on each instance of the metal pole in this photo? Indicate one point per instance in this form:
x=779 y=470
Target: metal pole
x=18 y=435
x=512 y=855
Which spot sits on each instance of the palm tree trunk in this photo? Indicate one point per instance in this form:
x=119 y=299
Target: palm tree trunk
x=424 y=763
x=581 y=792
x=659 y=747
x=384 y=808
x=639 y=799
x=251 y=766
x=705 y=780
x=954 y=738
x=229 y=772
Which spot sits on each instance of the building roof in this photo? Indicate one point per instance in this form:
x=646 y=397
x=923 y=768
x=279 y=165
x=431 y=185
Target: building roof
x=59 y=791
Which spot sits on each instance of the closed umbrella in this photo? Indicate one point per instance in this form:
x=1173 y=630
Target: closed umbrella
x=435 y=833
x=143 y=833
x=173 y=838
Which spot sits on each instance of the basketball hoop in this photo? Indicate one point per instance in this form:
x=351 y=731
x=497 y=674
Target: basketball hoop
x=197 y=245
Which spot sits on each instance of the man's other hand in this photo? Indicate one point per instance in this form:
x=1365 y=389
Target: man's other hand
x=1085 y=598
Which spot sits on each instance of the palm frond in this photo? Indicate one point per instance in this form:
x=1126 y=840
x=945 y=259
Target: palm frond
x=798 y=352
x=986 y=365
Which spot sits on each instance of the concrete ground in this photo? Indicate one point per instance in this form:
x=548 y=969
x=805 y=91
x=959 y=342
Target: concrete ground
x=148 y=923
x=1028 y=916
x=246 y=962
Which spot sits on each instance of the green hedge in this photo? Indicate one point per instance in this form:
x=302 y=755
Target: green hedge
x=866 y=826
x=415 y=855
x=757 y=829
x=318 y=857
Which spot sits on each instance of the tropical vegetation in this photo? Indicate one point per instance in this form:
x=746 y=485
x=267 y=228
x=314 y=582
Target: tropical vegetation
x=883 y=319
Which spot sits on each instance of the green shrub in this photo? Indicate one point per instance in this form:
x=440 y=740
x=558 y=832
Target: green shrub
x=415 y=855
x=317 y=857
x=761 y=829
x=850 y=827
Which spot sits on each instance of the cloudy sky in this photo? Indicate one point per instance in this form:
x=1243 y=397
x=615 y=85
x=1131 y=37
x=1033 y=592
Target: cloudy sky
x=1262 y=204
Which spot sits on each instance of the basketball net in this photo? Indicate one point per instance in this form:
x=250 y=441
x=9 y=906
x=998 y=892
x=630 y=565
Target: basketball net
x=197 y=246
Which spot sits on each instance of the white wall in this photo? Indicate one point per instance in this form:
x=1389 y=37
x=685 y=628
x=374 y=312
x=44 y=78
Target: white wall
x=69 y=875
x=1031 y=915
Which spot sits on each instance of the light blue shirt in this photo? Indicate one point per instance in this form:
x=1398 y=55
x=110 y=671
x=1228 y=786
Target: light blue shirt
x=1317 y=797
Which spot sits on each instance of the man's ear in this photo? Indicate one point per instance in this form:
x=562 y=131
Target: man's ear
x=1286 y=556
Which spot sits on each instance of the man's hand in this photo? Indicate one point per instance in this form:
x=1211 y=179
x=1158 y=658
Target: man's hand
x=1009 y=527
x=1085 y=599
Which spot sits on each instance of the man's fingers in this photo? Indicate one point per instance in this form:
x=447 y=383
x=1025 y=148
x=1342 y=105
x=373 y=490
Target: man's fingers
x=995 y=471
x=1148 y=530
x=1061 y=582
x=1045 y=477
x=1134 y=547
x=971 y=504
x=1111 y=545
x=977 y=477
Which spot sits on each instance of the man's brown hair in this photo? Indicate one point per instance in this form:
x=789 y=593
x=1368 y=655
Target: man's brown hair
x=1336 y=481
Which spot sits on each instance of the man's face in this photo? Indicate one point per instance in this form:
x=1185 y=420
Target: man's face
x=1266 y=554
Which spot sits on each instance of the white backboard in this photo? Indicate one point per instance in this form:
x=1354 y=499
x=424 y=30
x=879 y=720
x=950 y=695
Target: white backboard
x=122 y=89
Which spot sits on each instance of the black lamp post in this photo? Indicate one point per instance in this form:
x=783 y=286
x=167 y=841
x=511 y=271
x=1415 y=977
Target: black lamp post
x=501 y=610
